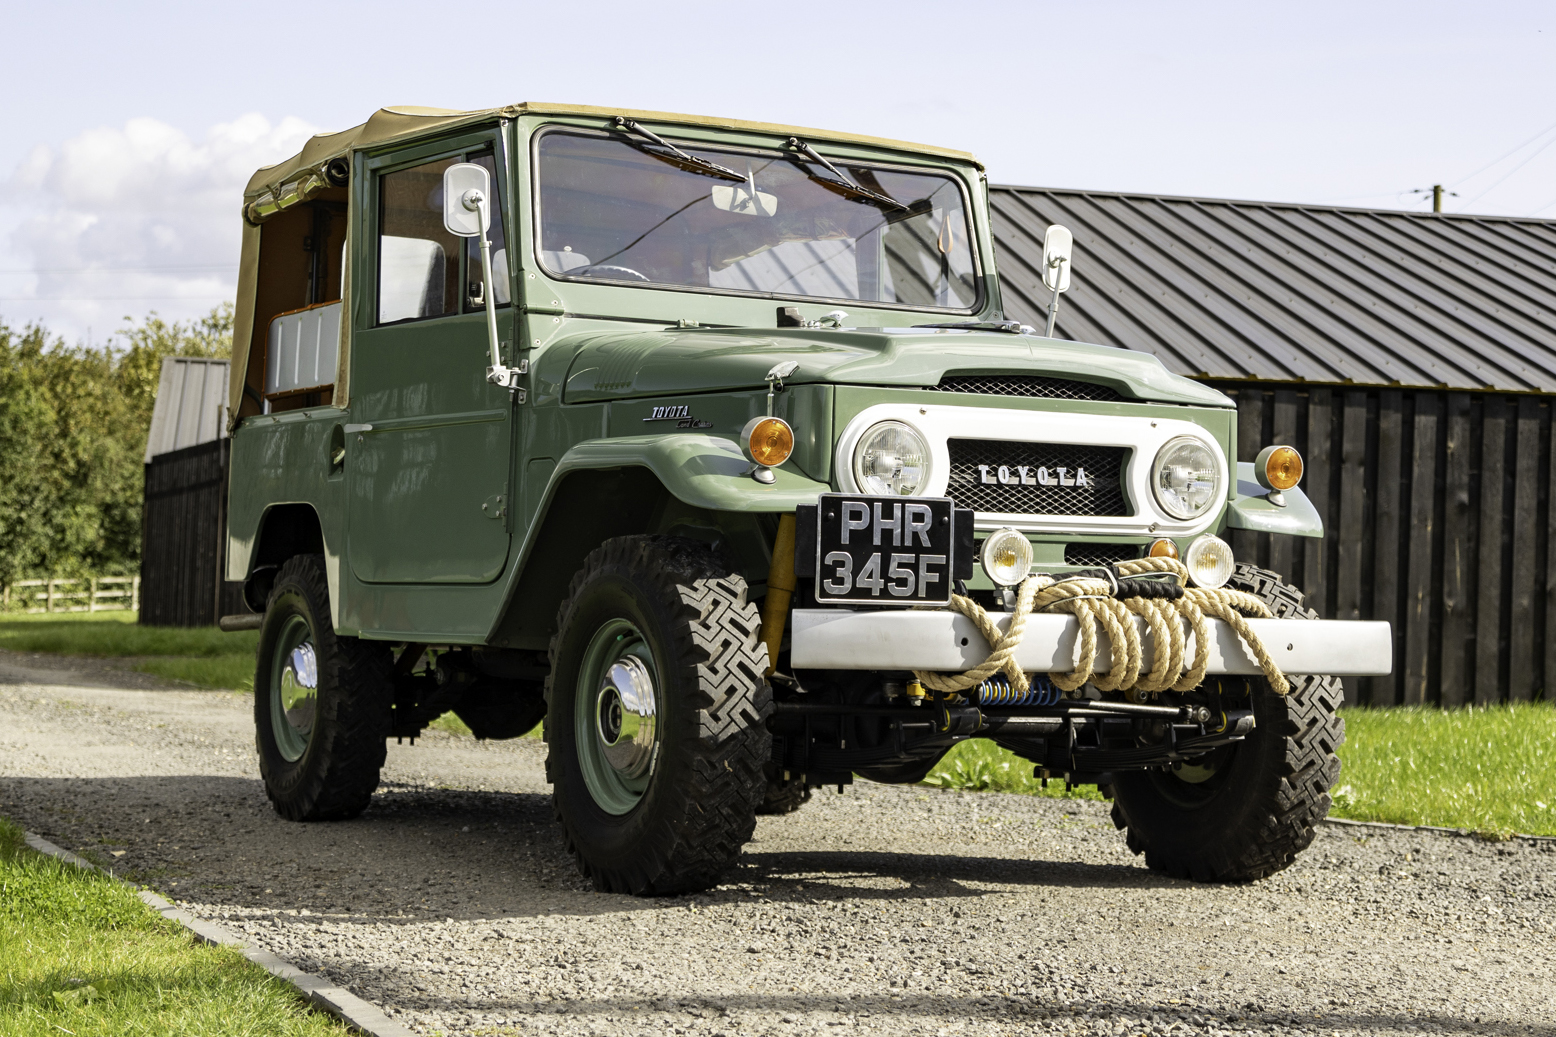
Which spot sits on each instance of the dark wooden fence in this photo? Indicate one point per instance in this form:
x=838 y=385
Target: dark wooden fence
x=183 y=539
x=1437 y=516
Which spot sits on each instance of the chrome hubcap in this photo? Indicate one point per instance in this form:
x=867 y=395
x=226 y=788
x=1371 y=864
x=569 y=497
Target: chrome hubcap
x=294 y=689
x=624 y=717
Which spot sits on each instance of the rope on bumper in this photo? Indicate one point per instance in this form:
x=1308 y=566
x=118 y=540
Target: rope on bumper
x=1111 y=604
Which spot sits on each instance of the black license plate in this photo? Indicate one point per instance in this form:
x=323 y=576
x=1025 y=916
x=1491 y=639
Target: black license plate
x=884 y=550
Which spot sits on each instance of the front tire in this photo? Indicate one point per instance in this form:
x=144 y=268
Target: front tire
x=321 y=702
x=1245 y=811
x=657 y=702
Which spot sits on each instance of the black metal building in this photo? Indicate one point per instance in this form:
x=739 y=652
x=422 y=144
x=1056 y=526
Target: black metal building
x=1410 y=357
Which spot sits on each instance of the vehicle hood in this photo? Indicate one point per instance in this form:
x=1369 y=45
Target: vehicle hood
x=613 y=365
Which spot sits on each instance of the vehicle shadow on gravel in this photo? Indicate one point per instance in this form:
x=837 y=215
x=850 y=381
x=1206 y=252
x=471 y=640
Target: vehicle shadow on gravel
x=846 y=874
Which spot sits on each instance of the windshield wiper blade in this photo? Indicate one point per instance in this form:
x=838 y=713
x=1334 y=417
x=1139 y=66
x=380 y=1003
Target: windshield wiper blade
x=1012 y=327
x=842 y=182
x=677 y=157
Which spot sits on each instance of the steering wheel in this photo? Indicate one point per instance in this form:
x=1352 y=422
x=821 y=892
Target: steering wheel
x=608 y=270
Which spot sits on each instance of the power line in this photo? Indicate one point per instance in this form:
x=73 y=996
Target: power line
x=1534 y=155
x=1499 y=158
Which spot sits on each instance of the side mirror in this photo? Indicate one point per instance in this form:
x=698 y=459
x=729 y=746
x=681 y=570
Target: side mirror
x=467 y=194
x=1058 y=243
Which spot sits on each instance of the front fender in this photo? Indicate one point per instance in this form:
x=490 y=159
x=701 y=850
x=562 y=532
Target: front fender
x=1250 y=510
x=700 y=470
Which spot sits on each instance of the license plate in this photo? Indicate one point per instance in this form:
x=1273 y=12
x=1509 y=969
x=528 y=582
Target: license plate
x=884 y=550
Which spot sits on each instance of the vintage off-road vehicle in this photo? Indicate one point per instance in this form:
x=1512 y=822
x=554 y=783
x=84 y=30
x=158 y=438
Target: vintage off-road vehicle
x=709 y=444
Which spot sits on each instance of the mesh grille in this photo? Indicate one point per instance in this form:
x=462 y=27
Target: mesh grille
x=1028 y=385
x=1103 y=494
x=1099 y=554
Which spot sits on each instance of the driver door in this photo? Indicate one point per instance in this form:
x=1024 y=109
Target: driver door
x=429 y=475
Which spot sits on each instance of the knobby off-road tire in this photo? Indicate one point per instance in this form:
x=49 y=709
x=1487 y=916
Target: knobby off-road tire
x=667 y=608
x=1258 y=802
x=320 y=762
x=783 y=797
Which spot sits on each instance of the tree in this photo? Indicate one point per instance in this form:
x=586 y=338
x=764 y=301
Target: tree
x=73 y=427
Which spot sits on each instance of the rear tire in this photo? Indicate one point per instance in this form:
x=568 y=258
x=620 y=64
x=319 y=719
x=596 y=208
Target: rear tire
x=321 y=702
x=657 y=799
x=1243 y=812
x=783 y=797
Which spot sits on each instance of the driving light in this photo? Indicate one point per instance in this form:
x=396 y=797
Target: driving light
x=767 y=441
x=1278 y=467
x=1006 y=557
x=1187 y=480
x=1209 y=562
x=1163 y=548
x=891 y=458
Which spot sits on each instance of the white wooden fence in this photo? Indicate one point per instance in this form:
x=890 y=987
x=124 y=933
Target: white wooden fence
x=88 y=594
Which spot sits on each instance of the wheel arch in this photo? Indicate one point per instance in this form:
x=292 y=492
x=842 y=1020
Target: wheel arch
x=285 y=530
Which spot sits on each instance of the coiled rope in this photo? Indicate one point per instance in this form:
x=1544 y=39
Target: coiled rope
x=1109 y=602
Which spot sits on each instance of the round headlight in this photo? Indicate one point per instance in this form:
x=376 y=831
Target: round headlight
x=891 y=458
x=1187 y=480
x=1278 y=467
x=1209 y=561
x=767 y=441
x=1006 y=557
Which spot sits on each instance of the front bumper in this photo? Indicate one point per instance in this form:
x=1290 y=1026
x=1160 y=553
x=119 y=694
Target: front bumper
x=948 y=642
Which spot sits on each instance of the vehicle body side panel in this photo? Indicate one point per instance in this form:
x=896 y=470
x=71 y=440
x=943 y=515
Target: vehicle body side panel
x=1251 y=510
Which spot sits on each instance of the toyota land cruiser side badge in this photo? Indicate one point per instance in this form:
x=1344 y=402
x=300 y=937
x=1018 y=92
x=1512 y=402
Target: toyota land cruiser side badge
x=680 y=414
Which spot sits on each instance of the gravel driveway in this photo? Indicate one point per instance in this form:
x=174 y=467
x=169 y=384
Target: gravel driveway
x=885 y=911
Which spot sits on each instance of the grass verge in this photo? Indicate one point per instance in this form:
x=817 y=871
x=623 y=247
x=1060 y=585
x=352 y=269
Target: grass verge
x=80 y=953
x=203 y=656
x=1491 y=770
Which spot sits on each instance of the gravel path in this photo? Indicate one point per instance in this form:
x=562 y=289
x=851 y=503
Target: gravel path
x=883 y=911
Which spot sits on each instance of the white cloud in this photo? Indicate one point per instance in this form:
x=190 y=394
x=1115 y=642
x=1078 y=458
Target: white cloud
x=129 y=219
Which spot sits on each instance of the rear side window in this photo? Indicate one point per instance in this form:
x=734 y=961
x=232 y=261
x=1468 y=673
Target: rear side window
x=423 y=270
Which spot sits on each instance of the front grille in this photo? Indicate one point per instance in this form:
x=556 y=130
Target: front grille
x=1103 y=467
x=1098 y=555
x=1029 y=385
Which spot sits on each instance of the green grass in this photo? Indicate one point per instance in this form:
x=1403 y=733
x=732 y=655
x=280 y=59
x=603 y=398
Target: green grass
x=203 y=656
x=1490 y=770
x=80 y=954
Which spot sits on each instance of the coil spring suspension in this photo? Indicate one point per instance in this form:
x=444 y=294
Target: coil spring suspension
x=997 y=691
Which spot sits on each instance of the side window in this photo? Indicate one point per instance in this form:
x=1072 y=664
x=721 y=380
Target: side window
x=423 y=270
x=418 y=261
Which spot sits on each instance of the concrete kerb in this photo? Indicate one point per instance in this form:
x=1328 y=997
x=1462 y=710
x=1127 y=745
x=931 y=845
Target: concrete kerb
x=342 y=1004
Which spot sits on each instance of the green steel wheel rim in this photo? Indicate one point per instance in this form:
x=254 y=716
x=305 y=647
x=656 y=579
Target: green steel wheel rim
x=616 y=717
x=294 y=689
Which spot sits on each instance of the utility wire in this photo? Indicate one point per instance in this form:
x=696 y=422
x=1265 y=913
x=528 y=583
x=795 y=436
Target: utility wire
x=1510 y=172
x=1499 y=158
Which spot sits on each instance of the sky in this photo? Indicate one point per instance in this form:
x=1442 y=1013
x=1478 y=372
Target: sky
x=132 y=128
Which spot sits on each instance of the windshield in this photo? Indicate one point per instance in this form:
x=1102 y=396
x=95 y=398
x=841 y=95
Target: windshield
x=619 y=211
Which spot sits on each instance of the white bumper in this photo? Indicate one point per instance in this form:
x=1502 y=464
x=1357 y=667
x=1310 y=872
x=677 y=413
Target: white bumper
x=838 y=639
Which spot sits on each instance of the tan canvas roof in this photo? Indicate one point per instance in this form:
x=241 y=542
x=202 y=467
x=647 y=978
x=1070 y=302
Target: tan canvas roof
x=387 y=124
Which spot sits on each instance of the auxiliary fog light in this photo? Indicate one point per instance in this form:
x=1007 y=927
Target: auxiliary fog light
x=1278 y=467
x=1163 y=548
x=1007 y=556
x=1209 y=562
x=767 y=441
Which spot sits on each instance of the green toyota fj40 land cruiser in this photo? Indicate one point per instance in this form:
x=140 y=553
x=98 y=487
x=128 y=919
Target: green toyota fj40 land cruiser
x=709 y=444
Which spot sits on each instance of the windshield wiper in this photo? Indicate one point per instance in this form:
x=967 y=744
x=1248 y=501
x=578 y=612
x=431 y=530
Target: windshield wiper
x=842 y=183
x=1012 y=327
x=677 y=157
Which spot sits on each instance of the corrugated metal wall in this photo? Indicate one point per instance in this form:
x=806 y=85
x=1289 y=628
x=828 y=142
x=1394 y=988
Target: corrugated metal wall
x=1437 y=514
x=183 y=537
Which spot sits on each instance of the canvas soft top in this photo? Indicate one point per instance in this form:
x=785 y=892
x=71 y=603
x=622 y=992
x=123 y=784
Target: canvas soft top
x=274 y=187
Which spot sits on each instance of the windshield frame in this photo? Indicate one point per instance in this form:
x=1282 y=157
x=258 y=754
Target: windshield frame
x=975 y=244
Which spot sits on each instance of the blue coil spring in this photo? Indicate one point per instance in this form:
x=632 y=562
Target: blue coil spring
x=997 y=691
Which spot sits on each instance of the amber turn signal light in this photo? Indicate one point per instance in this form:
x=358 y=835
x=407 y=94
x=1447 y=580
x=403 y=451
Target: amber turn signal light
x=767 y=441
x=1278 y=467
x=1164 y=548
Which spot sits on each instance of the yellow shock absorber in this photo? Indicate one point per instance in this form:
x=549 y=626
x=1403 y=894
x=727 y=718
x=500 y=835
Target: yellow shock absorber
x=780 y=589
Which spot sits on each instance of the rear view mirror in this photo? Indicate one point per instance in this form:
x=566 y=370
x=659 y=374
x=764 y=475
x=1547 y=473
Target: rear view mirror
x=467 y=199
x=746 y=199
x=1058 y=243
